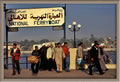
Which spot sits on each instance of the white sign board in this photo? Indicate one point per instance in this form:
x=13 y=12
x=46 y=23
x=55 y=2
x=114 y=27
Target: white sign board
x=35 y=17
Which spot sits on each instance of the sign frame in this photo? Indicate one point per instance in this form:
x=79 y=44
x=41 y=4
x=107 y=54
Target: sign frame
x=55 y=28
x=38 y=26
x=12 y=29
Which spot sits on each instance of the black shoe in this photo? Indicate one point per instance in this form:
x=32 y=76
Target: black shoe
x=90 y=74
x=18 y=72
x=106 y=70
x=67 y=71
x=82 y=68
x=13 y=74
x=101 y=73
x=49 y=70
x=34 y=73
x=60 y=71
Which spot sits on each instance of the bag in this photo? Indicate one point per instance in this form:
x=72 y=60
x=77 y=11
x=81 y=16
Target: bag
x=109 y=61
x=79 y=61
x=32 y=59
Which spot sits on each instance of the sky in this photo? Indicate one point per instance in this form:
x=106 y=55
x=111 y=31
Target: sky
x=96 y=19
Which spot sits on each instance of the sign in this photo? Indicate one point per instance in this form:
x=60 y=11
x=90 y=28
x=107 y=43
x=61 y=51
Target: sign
x=58 y=28
x=35 y=17
x=12 y=29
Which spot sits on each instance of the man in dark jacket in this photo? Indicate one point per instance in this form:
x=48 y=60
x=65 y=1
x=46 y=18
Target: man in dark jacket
x=94 y=59
x=35 y=66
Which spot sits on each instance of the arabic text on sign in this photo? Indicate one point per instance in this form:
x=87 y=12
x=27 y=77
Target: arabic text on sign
x=47 y=15
x=17 y=17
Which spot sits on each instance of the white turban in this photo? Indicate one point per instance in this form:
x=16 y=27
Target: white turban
x=102 y=44
x=92 y=44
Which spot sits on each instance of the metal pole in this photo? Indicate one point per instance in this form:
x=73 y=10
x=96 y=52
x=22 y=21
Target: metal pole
x=65 y=24
x=7 y=47
x=74 y=37
x=6 y=37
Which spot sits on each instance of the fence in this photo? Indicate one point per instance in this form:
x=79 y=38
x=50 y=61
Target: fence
x=22 y=61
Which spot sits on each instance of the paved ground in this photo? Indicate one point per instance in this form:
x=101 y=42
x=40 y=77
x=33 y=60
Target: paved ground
x=73 y=74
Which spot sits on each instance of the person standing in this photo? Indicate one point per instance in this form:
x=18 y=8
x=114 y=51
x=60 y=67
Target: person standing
x=35 y=66
x=59 y=56
x=43 y=52
x=94 y=59
x=101 y=56
x=50 y=52
x=15 y=53
x=67 y=56
x=80 y=56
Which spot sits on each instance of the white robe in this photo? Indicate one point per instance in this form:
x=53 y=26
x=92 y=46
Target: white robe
x=59 y=55
x=101 y=60
x=50 y=53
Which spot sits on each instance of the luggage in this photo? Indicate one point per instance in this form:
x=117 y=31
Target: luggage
x=79 y=61
x=33 y=59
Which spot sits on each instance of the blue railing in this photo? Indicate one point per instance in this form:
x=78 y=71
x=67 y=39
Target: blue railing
x=23 y=60
x=25 y=64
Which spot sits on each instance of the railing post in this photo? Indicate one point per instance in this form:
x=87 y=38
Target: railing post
x=26 y=63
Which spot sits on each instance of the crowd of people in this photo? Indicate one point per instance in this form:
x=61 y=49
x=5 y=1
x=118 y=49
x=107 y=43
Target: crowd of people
x=58 y=58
